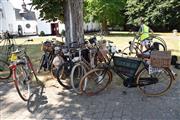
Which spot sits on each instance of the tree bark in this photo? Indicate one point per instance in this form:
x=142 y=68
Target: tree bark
x=73 y=19
x=104 y=27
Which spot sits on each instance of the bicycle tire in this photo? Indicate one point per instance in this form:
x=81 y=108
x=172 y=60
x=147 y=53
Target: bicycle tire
x=22 y=85
x=53 y=71
x=5 y=71
x=128 y=53
x=160 y=40
x=98 y=76
x=152 y=87
x=161 y=47
x=64 y=71
x=35 y=99
x=78 y=71
x=33 y=103
x=41 y=63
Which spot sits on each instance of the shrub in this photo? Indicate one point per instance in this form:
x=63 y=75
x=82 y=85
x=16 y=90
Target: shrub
x=42 y=33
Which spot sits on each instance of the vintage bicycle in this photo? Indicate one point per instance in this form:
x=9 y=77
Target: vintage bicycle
x=22 y=72
x=151 y=81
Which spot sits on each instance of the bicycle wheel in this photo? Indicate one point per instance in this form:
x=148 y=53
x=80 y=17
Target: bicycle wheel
x=78 y=71
x=95 y=81
x=160 y=41
x=5 y=71
x=161 y=47
x=35 y=99
x=33 y=102
x=63 y=74
x=22 y=81
x=129 y=52
x=155 y=83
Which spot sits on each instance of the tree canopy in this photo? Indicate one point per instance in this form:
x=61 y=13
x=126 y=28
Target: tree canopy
x=50 y=10
x=111 y=10
x=159 y=14
x=105 y=11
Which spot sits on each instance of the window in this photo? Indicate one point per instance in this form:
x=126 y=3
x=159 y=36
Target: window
x=28 y=25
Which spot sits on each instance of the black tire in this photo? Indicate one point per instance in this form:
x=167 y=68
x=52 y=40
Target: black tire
x=23 y=81
x=161 y=47
x=63 y=74
x=161 y=41
x=5 y=71
x=154 y=84
x=95 y=81
x=35 y=100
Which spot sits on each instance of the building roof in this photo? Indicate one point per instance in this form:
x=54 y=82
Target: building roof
x=29 y=15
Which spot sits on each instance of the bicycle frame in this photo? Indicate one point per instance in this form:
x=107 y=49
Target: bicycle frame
x=119 y=73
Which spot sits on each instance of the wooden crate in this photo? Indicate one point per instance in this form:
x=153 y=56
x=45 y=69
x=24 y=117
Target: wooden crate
x=160 y=59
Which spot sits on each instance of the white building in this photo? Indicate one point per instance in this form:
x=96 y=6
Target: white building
x=17 y=19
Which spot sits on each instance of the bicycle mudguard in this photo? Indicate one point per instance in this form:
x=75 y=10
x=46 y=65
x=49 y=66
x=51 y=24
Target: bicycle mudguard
x=21 y=62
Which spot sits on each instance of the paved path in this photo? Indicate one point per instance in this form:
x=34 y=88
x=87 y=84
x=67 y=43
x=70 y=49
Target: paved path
x=111 y=104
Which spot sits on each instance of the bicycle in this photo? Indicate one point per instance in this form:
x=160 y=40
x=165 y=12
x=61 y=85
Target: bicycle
x=8 y=45
x=95 y=58
x=78 y=58
x=63 y=70
x=133 y=75
x=47 y=57
x=133 y=47
x=22 y=72
x=52 y=50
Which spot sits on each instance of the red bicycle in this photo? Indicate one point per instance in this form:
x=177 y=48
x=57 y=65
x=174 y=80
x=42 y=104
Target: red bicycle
x=22 y=72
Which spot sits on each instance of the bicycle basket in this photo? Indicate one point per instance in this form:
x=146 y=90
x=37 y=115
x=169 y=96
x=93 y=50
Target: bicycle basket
x=47 y=46
x=126 y=66
x=160 y=59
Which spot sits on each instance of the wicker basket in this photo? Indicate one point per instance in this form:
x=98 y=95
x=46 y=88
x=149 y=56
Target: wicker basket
x=160 y=59
x=47 y=46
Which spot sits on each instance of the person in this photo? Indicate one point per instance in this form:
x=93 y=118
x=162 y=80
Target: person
x=144 y=34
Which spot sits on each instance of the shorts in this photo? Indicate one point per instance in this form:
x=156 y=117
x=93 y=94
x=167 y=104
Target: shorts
x=145 y=42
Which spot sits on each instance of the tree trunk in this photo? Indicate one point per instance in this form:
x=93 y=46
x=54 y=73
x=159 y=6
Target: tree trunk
x=73 y=18
x=104 y=27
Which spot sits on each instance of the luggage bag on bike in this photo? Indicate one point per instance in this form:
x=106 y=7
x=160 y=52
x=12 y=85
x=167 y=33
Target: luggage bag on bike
x=128 y=68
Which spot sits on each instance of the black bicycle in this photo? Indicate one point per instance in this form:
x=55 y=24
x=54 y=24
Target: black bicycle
x=135 y=73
